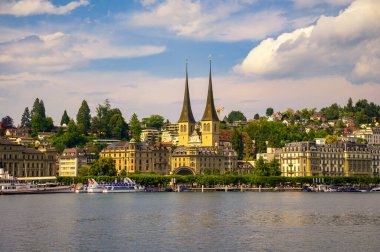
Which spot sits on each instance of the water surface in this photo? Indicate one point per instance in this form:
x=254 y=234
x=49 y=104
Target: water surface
x=213 y=221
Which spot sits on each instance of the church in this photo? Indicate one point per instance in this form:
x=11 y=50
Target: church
x=198 y=150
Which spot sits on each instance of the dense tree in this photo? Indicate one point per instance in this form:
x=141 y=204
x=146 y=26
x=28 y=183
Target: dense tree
x=332 y=112
x=118 y=127
x=135 y=126
x=84 y=118
x=331 y=139
x=237 y=143
x=267 y=169
x=36 y=107
x=38 y=124
x=236 y=116
x=7 y=123
x=256 y=116
x=69 y=139
x=101 y=123
x=49 y=124
x=65 y=119
x=154 y=121
x=39 y=121
x=269 y=111
x=26 y=120
x=103 y=167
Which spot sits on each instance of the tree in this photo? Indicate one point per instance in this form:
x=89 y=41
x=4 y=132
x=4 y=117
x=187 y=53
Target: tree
x=331 y=139
x=26 y=120
x=38 y=124
x=84 y=118
x=65 y=118
x=261 y=169
x=49 y=124
x=7 y=123
x=236 y=116
x=36 y=107
x=237 y=143
x=103 y=167
x=118 y=127
x=256 y=116
x=100 y=124
x=154 y=121
x=269 y=111
x=247 y=148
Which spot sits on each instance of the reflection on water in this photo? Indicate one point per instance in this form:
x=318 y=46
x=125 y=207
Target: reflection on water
x=215 y=221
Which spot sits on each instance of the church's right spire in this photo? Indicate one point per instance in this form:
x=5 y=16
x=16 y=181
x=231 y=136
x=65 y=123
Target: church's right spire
x=210 y=111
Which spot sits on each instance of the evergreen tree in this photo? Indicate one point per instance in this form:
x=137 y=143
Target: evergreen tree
x=118 y=127
x=84 y=118
x=36 y=107
x=42 y=109
x=26 y=120
x=65 y=119
x=135 y=126
x=256 y=116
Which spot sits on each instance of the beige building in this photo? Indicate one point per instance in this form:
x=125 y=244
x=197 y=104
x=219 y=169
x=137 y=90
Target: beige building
x=198 y=148
x=71 y=160
x=339 y=159
x=21 y=161
x=149 y=135
x=140 y=157
x=371 y=135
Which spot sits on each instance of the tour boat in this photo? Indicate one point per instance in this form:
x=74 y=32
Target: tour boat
x=91 y=187
x=126 y=186
x=375 y=189
x=15 y=187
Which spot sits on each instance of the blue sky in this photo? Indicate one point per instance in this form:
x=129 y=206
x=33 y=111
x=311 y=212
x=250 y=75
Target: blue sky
x=295 y=53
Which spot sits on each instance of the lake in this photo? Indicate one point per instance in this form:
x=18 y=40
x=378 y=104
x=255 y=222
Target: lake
x=189 y=221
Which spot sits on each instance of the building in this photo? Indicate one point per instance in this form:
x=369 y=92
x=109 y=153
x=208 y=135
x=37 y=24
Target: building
x=371 y=135
x=199 y=150
x=169 y=137
x=71 y=160
x=138 y=157
x=17 y=132
x=149 y=135
x=339 y=159
x=271 y=154
x=23 y=162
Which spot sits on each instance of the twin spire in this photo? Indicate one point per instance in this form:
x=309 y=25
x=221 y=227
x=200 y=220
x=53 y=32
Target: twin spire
x=209 y=113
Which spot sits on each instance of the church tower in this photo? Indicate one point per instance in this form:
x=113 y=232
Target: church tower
x=186 y=122
x=210 y=120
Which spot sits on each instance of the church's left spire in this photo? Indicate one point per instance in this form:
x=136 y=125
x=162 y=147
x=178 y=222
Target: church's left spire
x=187 y=113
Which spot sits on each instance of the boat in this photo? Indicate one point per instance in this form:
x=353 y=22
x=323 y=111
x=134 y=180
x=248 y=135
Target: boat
x=375 y=189
x=126 y=186
x=91 y=187
x=16 y=187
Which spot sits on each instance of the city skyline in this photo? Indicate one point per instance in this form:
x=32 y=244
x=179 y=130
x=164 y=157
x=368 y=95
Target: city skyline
x=299 y=53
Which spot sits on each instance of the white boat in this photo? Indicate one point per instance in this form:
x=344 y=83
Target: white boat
x=91 y=187
x=375 y=189
x=127 y=186
x=15 y=187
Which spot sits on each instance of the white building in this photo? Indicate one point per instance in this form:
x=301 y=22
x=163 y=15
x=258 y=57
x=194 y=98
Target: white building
x=371 y=135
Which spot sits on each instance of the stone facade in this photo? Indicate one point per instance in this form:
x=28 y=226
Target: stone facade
x=21 y=161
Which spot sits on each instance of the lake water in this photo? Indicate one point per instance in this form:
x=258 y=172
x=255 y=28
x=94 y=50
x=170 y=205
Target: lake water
x=212 y=221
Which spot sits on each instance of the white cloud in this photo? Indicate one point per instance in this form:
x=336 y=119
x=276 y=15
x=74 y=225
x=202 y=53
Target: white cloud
x=347 y=44
x=60 y=52
x=224 y=21
x=36 y=7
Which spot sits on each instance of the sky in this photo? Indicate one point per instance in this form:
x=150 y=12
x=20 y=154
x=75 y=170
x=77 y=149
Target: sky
x=265 y=53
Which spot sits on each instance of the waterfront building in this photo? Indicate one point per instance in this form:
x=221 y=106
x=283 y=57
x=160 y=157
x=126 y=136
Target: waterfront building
x=339 y=159
x=21 y=161
x=199 y=150
x=140 y=157
x=71 y=160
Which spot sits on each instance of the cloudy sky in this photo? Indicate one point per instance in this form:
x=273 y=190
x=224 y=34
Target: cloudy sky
x=265 y=53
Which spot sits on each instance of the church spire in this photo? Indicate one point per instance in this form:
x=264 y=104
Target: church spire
x=210 y=112
x=186 y=114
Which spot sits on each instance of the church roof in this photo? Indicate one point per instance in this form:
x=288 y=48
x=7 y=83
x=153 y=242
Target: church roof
x=187 y=113
x=210 y=112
